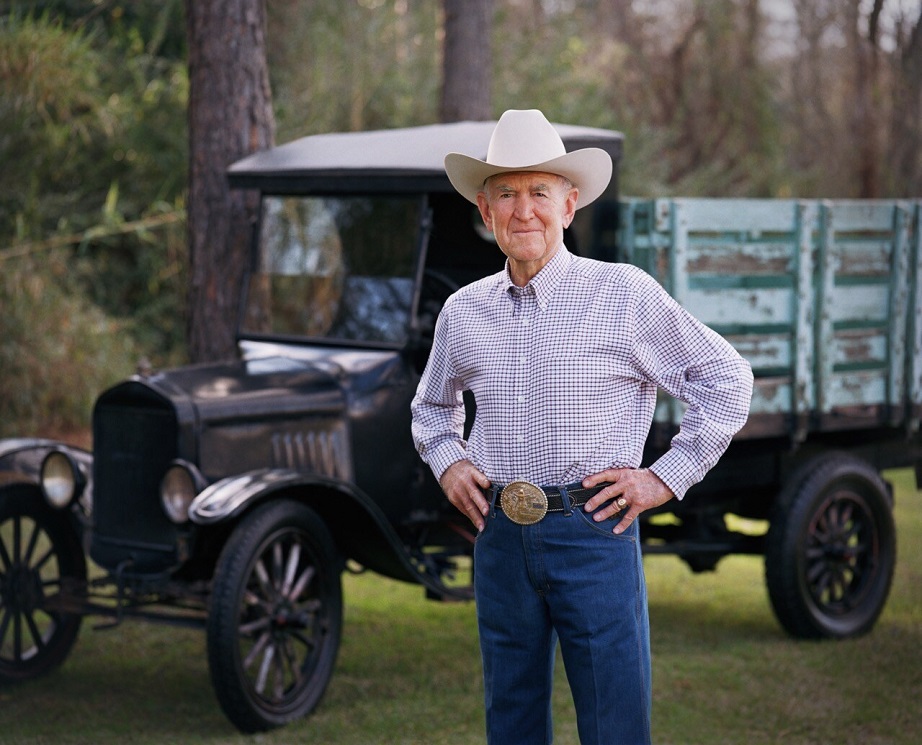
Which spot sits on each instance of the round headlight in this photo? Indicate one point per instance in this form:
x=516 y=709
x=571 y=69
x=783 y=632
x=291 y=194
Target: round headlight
x=177 y=490
x=61 y=479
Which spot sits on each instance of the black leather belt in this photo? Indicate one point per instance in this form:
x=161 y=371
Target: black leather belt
x=526 y=503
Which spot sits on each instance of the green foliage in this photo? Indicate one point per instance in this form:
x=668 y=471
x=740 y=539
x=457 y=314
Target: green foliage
x=52 y=120
x=92 y=137
x=83 y=113
x=353 y=65
x=55 y=344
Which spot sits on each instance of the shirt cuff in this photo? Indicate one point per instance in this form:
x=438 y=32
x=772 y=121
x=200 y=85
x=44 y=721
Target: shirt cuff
x=676 y=472
x=442 y=458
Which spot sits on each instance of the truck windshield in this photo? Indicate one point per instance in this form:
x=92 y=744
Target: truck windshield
x=336 y=268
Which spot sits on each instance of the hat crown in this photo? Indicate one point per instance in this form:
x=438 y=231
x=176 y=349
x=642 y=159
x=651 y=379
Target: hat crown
x=523 y=138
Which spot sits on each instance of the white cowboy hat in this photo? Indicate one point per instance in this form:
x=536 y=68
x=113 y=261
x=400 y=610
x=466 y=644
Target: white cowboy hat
x=527 y=141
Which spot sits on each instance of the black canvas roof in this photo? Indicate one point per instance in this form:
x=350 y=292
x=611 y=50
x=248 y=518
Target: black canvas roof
x=410 y=158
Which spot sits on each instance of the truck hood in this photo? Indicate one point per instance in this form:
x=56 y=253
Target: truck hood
x=279 y=406
x=253 y=389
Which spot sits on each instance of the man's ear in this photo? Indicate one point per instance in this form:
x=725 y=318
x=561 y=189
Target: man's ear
x=569 y=206
x=484 y=206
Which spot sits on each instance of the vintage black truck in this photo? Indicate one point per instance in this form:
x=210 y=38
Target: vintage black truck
x=233 y=496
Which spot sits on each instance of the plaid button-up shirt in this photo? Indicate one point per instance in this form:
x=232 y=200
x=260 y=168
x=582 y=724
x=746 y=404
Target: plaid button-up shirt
x=565 y=372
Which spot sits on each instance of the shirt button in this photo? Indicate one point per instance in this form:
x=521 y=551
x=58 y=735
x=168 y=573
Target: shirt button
x=520 y=438
x=523 y=359
x=521 y=399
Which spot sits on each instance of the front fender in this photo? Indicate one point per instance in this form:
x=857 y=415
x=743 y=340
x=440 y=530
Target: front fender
x=361 y=530
x=21 y=459
x=227 y=498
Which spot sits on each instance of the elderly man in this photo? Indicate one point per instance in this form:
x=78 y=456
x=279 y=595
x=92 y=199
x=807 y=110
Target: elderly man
x=564 y=356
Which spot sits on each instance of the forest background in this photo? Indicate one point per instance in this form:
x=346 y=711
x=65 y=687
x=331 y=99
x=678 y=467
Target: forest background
x=748 y=98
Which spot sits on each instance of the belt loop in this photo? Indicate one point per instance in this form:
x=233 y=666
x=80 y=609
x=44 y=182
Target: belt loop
x=565 y=501
x=494 y=490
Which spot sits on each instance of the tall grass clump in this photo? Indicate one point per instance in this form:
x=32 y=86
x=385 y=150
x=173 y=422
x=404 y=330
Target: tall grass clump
x=57 y=350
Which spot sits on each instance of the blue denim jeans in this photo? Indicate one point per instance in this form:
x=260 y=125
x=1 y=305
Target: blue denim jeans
x=568 y=578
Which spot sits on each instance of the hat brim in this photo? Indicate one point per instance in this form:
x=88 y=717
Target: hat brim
x=588 y=169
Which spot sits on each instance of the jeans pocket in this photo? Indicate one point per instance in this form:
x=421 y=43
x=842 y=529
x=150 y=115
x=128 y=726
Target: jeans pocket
x=605 y=527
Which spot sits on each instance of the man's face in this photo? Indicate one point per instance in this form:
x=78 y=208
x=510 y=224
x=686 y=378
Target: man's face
x=527 y=213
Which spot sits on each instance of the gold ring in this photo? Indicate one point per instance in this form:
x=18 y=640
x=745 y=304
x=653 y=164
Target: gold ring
x=622 y=502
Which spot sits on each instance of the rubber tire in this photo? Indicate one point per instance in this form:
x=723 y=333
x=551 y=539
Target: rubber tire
x=236 y=684
x=831 y=490
x=27 y=573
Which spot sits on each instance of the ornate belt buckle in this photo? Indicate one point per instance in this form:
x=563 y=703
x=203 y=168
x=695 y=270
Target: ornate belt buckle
x=523 y=502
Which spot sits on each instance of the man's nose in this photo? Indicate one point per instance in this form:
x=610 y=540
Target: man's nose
x=524 y=208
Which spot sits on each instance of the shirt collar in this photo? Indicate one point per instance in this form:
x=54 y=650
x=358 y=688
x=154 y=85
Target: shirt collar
x=544 y=282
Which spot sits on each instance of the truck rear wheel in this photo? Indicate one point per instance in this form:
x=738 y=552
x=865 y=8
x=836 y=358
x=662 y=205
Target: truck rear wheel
x=275 y=620
x=831 y=549
x=40 y=557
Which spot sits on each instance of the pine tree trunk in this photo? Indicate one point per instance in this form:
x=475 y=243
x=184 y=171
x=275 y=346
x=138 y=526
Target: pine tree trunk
x=906 y=140
x=467 y=61
x=230 y=116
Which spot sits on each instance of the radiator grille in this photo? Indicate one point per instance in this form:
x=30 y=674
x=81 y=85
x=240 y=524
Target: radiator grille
x=135 y=438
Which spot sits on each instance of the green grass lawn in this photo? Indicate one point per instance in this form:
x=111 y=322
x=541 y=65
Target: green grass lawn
x=409 y=671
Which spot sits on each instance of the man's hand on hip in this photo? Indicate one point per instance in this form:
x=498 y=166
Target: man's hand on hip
x=462 y=484
x=632 y=490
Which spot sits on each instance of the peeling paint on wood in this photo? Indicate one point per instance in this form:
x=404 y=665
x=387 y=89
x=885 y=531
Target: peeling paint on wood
x=822 y=298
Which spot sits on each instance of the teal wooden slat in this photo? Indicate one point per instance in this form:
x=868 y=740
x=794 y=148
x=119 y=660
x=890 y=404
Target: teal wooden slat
x=764 y=351
x=745 y=215
x=824 y=328
x=856 y=388
x=678 y=258
x=755 y=306
x=771 y=396
x=863 y=215
x=857 y=303
x=662 y=215
x=914 y=323
x=678 y=275
x=748 y=282
x=865 y=257
x=851 y=280
x=860 y=346
x=803 y=389
x=899 y=309
x=737 y=256
x=753 y=329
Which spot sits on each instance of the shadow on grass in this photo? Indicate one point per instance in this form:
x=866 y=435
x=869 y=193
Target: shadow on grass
x=729 y=604
x=119 y=685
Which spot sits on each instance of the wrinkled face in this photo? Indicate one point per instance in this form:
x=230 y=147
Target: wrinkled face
x=527 y=213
